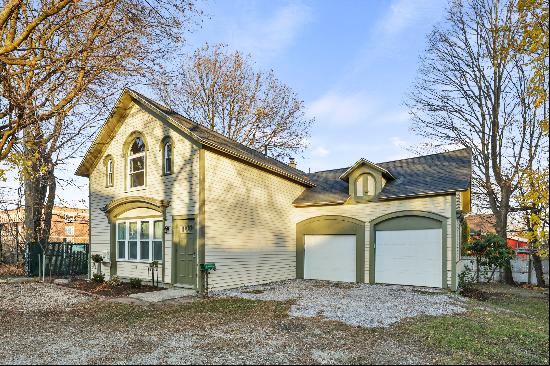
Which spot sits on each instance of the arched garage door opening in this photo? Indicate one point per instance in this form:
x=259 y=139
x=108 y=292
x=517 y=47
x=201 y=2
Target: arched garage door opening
x=330 y=248
x=409 y=249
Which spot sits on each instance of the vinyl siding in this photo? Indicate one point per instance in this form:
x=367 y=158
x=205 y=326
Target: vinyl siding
x=250 y=231
x=369 y=211
x=180 y=188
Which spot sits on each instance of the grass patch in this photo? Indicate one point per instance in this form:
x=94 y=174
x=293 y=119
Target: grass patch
x=503 y=329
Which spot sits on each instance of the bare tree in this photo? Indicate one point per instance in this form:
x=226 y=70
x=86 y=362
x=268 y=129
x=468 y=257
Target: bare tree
x=84 y=46
x=222 y=91
x=47 y=103
x=472 y=91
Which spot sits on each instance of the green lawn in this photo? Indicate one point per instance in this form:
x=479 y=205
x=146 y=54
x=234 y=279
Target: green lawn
x=511 y=327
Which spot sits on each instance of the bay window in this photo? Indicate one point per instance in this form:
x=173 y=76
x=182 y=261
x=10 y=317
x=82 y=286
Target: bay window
x=139 y=240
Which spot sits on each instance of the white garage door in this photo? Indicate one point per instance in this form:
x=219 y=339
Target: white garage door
x=409 y=257
x=330 y=257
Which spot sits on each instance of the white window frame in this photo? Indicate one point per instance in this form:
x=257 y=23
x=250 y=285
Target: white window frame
x=369 y=178
x=167 y=150
x=110 y=175
x=126 y=240
x=360 y=186
x=129 y=162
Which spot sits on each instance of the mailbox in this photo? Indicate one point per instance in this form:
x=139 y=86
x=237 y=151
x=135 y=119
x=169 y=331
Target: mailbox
x=208 y=266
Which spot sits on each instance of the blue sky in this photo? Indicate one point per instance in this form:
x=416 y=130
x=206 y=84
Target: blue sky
x=352 y=63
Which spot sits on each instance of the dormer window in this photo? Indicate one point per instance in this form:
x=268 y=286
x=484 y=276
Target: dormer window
x=136 y=163
x=365 y=185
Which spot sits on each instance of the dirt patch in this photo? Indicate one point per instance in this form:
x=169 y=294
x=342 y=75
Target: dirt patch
x=104 y=289
x=475 y=293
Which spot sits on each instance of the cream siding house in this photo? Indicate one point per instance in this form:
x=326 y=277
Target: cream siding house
x=165 y=189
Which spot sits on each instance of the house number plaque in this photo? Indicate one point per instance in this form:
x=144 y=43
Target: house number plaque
x=186 y=229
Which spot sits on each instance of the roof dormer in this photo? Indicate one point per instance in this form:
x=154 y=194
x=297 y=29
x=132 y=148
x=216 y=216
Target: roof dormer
x=365 y=180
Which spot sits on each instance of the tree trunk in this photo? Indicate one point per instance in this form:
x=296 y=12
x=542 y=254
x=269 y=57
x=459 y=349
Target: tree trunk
x=537 y=263
x=39 y=189
x=501 y=224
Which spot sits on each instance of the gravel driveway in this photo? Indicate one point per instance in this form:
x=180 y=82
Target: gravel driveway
x=36 y=296
x=354 y=304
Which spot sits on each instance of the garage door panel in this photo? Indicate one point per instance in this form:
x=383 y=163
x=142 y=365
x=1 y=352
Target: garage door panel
x=409 y=257
x=330 y=257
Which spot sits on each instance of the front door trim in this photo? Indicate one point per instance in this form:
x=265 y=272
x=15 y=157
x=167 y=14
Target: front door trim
x=174 y=253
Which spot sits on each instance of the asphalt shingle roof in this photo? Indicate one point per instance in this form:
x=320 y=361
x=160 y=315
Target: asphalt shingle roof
x=422 y=175
x=222 y=143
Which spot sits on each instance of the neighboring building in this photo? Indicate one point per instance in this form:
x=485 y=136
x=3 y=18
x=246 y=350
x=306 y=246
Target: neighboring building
x=165 y=188
x=68 y=224
x=486 y=223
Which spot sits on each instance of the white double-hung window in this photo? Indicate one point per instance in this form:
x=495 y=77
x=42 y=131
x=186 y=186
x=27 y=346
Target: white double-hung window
x=136 y=163
x=139 y=240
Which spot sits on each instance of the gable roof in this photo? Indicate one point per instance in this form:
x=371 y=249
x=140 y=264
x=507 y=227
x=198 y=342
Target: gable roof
x=197 y=132
x=368 y=163
x=420 y=176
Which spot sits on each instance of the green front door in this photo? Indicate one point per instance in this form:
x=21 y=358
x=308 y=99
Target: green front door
x=185 y=250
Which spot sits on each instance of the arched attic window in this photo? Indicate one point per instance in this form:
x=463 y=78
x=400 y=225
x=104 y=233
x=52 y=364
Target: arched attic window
x=136 y=163
x=365 y=185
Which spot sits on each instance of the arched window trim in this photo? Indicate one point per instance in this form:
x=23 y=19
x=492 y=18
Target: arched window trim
x=362 y=190
x=167 y=169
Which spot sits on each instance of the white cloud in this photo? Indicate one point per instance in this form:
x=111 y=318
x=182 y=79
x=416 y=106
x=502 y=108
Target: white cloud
x=320 y=152
x=404 y=13
x=398 y=142
x=267 y=36
x=348 y=108
x=339 y=108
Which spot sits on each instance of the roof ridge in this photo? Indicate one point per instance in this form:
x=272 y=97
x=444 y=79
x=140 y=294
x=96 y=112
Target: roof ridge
x=176 y=114
x=424 y=156
x=328 y=170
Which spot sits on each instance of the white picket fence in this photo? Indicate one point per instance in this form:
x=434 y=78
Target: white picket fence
x=520 y=269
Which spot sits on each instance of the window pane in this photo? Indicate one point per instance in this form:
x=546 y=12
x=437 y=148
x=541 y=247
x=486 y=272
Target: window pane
x=121 y=230
x=121 y=249
x=157 y=250
x=137 y=164
x=144 y=232
x=132 y=230
x=138 y=146
x=137 y=179
x=110 y=173
x=158 y=230
x=144 y=250
x=168 y=166
x=370 y=185
x=359 y=186
x=132 y=250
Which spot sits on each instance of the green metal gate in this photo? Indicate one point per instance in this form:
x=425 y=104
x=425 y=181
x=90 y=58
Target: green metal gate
x=62 y=259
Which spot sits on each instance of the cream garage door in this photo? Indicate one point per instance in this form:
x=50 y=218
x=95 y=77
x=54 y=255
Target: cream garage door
x=409 y=257
x=330 y=257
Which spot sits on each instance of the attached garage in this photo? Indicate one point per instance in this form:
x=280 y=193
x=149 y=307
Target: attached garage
x=331 y=248
x=330 y=257
x=409 y=250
